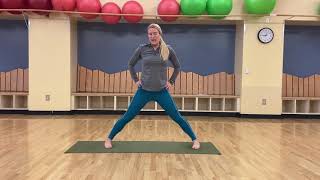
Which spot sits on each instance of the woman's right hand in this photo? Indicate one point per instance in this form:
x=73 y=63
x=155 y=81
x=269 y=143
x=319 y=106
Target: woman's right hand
x=138 y=83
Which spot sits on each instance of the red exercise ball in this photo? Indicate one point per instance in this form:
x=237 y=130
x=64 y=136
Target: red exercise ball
x=111 y=7
x=40 y=4
x=132 y=7
x=13 y=4
x=168 y=7
x=64 y=5
x=89 y=6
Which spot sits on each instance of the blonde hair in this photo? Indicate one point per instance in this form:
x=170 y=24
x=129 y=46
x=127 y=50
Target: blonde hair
x=164 y=50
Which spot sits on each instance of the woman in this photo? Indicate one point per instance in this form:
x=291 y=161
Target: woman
x=153 y=85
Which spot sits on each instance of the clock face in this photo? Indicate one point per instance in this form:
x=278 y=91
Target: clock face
x=265 y=35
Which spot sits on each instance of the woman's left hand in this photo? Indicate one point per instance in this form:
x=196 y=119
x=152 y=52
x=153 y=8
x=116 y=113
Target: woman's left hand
x=168 y=85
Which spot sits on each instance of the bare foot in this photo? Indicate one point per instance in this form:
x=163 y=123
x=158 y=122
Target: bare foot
x=196 y=144
x=108 y=144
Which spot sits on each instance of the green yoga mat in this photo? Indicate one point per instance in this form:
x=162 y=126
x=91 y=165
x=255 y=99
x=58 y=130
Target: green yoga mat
x=142 y=147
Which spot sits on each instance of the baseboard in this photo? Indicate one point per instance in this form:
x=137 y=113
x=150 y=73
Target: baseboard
x=120 y=112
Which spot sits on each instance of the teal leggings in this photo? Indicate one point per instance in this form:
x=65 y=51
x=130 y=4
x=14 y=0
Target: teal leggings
x=140 y=99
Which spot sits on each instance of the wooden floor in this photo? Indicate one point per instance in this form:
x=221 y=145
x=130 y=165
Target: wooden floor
x=32 y=147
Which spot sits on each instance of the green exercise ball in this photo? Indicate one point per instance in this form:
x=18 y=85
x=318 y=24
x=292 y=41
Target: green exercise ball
x=219 y=7
x=193 y=7
x=259 y=6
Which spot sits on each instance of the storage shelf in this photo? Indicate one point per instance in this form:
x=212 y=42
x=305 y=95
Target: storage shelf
x=301 y=105
x=186 y=103
x=13 y=101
